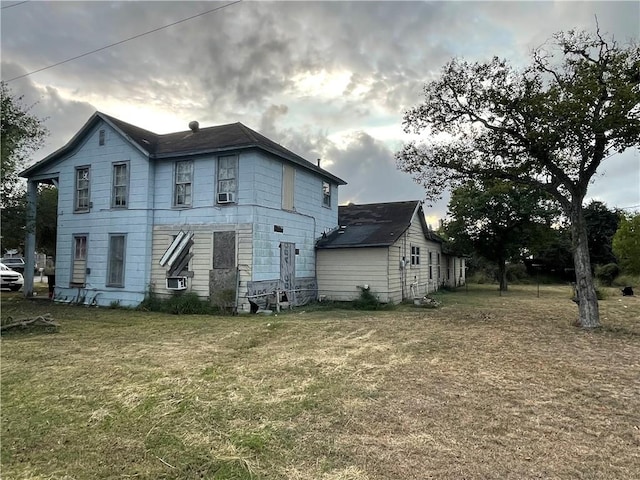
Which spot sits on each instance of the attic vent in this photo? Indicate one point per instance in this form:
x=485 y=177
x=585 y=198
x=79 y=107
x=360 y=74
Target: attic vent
x=194 y=126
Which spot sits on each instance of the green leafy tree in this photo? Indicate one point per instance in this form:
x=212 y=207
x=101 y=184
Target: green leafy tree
x=602 y=224
x=626 y=243
x=13 y=221
x=21 y=134
x=497 y=221
x=549 y=126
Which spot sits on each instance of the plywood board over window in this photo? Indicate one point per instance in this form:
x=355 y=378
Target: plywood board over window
x=224 y=250
x=223 y=278
x=288 y=184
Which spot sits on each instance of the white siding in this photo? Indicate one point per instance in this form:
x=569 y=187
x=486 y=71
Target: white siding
x=341 y=271
x=202 y=261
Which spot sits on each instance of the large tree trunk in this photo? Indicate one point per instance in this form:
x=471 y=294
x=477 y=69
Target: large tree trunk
x=589 y=314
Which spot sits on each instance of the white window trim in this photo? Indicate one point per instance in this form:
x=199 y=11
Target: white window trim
x=176 y=183
x=76 y=197
x=325 y=196
x=219 y=180
x=126 y=185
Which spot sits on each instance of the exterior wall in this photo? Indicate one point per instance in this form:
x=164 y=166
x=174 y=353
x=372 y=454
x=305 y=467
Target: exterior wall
x=341 y=271
x=456 y=271
x=202 y=261
x=150 y=219
x=417 y=275
x=259 y=203
x=101 y=220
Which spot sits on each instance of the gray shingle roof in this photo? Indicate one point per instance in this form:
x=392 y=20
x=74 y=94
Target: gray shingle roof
x=234 y=136
x=374 y=225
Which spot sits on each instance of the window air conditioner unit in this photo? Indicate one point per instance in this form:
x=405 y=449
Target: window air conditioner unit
x=176 y=283
x=225 y=197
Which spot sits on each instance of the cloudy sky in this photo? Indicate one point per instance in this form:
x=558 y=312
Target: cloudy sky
x=328 y=80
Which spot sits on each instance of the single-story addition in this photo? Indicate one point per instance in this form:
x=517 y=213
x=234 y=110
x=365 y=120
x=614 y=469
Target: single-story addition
x=221 y=211
x=387 y=248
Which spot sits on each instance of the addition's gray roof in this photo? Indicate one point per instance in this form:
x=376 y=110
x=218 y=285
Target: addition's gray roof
x=218 y=139
x=375 y=225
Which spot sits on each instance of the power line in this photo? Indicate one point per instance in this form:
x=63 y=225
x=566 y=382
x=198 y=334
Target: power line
x=122 y=41
x=14 y=4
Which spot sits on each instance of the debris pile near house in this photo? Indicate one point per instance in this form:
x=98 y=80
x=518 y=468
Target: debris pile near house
x=427 y=302
x=45 y=321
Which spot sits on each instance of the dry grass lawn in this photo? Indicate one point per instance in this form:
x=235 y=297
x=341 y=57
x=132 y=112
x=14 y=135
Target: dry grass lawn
x=486 y=386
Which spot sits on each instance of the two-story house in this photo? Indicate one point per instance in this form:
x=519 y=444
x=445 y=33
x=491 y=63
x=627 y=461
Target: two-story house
x=217 y=209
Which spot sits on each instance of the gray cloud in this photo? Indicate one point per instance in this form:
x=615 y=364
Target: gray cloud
x=242 y=63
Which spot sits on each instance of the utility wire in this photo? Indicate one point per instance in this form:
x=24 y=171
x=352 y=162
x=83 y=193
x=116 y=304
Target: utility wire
x=122 y=41
x=14 y=4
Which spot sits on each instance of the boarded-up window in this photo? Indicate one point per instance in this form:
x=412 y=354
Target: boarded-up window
x=224 y=249
x=79 y=270
x=288 y=184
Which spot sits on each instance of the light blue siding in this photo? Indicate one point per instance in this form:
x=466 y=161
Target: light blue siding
x=101 y=220
x=258 y=209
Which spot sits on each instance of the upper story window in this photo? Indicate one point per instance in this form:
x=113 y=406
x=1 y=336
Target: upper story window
x=183 y=184
x=288 y=187
x=326 y=194
x=82 y=189
x=415 y=255
x=120 y=193
x=101 y=136
x=227 y=179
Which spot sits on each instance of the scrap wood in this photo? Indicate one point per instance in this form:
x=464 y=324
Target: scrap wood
x=45 y=320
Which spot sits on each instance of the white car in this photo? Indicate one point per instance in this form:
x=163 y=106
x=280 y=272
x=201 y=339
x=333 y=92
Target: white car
x=10 y=279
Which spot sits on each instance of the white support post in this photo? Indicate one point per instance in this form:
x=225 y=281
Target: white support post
x=30 y=239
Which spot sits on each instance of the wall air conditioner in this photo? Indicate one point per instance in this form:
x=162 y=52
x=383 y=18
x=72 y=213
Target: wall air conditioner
x=226 y=197
x=176 y=283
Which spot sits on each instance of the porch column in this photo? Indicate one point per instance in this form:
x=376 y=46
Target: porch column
x=30 y=239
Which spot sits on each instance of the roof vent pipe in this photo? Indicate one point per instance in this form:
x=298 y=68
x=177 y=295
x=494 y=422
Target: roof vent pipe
x=318 y=163
x=194 y=126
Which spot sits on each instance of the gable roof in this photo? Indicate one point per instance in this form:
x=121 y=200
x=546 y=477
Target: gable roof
x=218 y=139
x=375 y=225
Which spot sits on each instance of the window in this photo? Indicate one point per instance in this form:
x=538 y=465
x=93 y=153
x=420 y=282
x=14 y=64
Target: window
x=184 y=181
x=79 y=268
x=415 y=255
x=288 y=184
x=82 y=189
x=227 y=178
x=224 y=250
x=438 y=267
x=115 y=267
x=120 y=195
x=326 y=194
x=101 y=137
x=430 y=265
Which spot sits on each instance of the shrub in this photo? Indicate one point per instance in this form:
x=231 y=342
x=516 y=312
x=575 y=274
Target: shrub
x=151 y=302
x=607 y=273
x=368 y=301
x=178 y=304
x=186 y=304
x=516 y=272
x=627 y=281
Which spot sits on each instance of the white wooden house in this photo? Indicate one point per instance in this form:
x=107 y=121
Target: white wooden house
x=203 y=210
x=387 y=248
